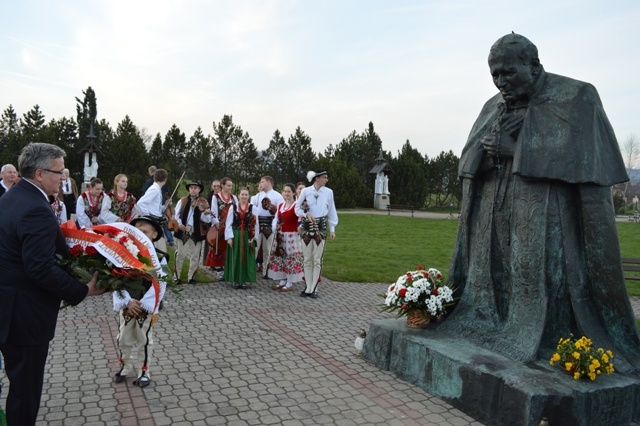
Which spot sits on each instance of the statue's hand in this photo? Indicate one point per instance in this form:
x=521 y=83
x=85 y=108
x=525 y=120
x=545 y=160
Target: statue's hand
x=490 y=144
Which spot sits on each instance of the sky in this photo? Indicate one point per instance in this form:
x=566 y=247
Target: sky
x=416 y=69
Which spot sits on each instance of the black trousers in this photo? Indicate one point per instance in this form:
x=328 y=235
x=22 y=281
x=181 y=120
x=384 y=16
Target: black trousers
x=70 y=204
x=24 y=366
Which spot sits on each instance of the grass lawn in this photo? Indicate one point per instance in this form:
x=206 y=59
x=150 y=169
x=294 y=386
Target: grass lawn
x=377 y=248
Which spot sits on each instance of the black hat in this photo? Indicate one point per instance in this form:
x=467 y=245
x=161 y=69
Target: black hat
x=153 y=220
x=311 y=176
x=192 y=183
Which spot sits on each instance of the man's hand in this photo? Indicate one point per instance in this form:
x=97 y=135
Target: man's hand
x=182 y=228
x=333 y=235
x=93 y=291
x=230 y=242
x=134 y=307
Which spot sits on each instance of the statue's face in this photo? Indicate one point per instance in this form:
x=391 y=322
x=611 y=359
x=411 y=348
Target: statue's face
x=514 y=79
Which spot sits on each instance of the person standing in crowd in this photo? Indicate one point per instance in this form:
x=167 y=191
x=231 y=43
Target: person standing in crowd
x=266 y=202
x=192 y=213
x=319 y=215
x=119 y=203
x=89 y=204
x=285 y=263
x=254 y=201
x=9 y=178
x=241 y=229
x=150 y=204
x=32 y=286
x=215 y=188
x=68 y=192
x=221 y=204
x=58 y=207
x=138 y=312
x=150 y=179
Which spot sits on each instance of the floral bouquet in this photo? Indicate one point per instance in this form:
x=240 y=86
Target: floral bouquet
x=580 y=358
x=121 y=254
x=421 y=290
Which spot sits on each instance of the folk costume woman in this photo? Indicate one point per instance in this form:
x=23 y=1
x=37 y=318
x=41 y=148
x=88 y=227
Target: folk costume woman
x=89 y=204
x=240 y=232
x=118 y=204
x=285 y=263
x=223 y=201
x=58 y=207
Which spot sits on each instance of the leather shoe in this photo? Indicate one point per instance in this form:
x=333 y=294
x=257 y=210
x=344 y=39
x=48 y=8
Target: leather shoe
x=143 y=382
x=304 y=294
x=118 y=378
x=313 y=295
x=286 y=289
x=244 y=286
x=192 y=281
x=277 y=287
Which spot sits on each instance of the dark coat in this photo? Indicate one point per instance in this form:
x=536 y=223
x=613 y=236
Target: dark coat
x=31 y=285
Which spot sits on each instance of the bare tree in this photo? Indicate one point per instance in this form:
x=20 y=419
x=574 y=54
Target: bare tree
x=631 y=152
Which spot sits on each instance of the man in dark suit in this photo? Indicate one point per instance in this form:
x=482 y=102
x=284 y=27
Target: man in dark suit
x=31 y=285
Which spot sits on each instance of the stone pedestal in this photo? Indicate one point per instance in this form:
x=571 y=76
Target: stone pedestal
x=381 y=201
x=494 y=389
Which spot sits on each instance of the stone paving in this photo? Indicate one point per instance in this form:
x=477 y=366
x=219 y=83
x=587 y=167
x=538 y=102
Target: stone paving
x=236 y=357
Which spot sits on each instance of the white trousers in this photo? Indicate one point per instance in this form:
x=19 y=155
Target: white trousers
x=190 y=250
x=266 y=244
x=312 y=254
x=135 y=343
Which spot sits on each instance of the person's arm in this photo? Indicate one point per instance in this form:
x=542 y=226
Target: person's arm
x=299 y=210
x=332 y=216
x=81 y=215
x=178 y=213
x=228 y=227
x=105 y=211
x=63 y=212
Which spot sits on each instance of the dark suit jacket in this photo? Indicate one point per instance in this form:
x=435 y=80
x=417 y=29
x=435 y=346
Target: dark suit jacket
x=31 y=285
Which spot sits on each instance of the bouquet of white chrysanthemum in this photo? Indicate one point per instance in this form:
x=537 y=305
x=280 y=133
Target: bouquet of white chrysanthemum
x=419 y=290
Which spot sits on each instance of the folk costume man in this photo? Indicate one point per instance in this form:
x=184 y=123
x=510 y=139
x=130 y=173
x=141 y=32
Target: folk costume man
x=537 y=226
x=89 y=204
x=192 y=213
x=68 y=192
x=318 y=210
x=267 y=202
x=31 y=285
x=138 y=312
x=9 y=176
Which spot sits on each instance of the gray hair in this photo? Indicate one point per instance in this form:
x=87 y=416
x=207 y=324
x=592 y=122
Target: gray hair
x=38 y=155
x=4 y=168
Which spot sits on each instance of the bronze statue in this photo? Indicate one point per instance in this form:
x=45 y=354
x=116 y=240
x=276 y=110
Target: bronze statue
x=537 y=254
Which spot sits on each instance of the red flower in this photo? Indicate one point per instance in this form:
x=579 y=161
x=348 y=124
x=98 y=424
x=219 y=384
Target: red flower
x=123 y=240
x=91 y=251
x=409 y=277
x=438 y=276
x=402 y=292
x=393 y=288
x=435 y=291
x=420 y=267
x=405 y=307
x=76 y=250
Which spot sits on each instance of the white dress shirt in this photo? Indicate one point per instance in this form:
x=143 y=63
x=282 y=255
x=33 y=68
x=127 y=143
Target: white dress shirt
x=320 y=203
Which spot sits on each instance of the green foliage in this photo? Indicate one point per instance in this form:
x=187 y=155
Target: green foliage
x=199 y=157
x=174 y=149
x=619 y=203
x=408 y=185
x=128 y=155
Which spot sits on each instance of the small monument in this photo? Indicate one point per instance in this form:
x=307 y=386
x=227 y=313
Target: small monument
x=381 y=196
x=91 y=152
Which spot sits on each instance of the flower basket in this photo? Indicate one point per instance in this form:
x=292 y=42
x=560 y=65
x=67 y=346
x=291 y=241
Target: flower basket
x=581 y=360
x=419 y=295
x=418 y=319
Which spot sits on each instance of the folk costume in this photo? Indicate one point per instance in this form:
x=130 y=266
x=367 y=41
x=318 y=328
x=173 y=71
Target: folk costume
x=151 y=202
x=135 y=336
x=241 y=226
x=189 y=213
x=217 y=255
x=88 y=207
x=59 y=209
x=266 y=203
x=116 y=208
x=285 y=263
x=68 y=193
x=320 y=205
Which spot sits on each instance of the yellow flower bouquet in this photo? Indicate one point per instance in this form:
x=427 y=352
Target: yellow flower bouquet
x=581 y=359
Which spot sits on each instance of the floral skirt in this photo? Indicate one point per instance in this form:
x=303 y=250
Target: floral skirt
x=287 y=265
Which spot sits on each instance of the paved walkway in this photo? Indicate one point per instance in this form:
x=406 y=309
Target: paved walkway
x=236 y=357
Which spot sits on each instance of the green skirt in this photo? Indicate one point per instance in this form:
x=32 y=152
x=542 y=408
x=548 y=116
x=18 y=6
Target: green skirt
x=240 y=263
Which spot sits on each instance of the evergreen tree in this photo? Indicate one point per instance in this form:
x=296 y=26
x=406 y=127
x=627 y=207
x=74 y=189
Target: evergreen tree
x=128 y=155
x=10 y=137
x=64 y=133
x=199 y=164
x=247 y=160
x=300 y=154
x=155 y=153
x=408 y=185
x=86 y=113
x=32 y=125
x=228 y=137
x=174 y=149
x=276 y=158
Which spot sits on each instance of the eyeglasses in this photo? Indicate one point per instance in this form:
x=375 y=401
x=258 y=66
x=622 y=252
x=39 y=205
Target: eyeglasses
x=58 y=172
